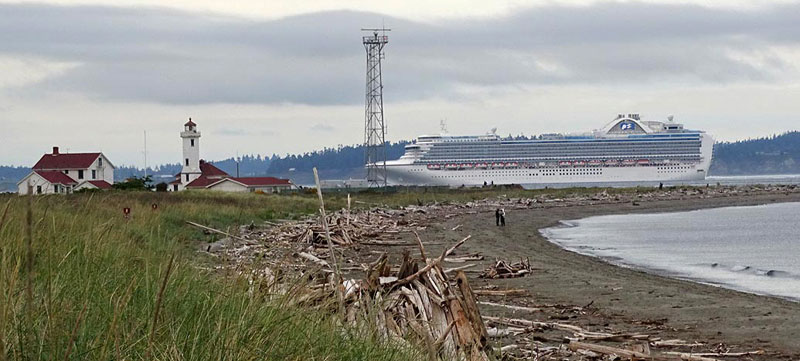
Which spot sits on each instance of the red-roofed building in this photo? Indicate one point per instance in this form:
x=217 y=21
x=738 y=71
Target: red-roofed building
x=199 y=174
x=94 y=184
x=208 y=174
x=251 y=184
x=73 y=169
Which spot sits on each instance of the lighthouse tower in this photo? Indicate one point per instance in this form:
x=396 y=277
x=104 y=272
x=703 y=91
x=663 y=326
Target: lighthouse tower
x=191 y=153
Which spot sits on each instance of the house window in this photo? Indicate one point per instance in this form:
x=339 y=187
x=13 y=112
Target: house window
x=192 y=141
x=187 y=177
x=100 y=161
x=175 y=187
x=66 y=172
x=80 y=174
x=38 y=189
x=94 y=174
x=55 y=188
x=187 y=162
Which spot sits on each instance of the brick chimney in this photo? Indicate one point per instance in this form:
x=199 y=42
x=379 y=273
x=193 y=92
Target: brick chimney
x=55 y=150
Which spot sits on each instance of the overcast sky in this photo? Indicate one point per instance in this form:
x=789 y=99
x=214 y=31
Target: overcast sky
x=282 y=77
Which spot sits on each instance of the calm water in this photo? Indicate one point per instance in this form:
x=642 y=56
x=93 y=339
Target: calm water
x=737 y=180
x=754 y=249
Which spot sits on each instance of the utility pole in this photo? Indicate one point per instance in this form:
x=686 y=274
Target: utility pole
x=145 y=154
x=374 y=127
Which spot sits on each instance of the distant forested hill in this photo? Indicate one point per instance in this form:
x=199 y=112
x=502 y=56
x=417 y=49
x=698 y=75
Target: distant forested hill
x=249 y=166
x=332 y=163
x=778 y=154
x=9 y=176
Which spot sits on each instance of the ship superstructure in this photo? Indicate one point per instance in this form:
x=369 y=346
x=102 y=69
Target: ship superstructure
x=627 y=149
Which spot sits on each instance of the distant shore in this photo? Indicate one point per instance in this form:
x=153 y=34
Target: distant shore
x=627 y=298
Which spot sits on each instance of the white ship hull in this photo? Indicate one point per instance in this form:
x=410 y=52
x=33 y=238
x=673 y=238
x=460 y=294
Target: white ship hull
x=422 y=176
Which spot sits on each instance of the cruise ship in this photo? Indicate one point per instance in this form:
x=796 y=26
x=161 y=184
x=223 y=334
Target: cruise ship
x=627 y=150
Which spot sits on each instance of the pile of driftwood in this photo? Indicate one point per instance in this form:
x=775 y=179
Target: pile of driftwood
x=416 y=304
x=586 y=344
x=502 y=269
x=345 y=228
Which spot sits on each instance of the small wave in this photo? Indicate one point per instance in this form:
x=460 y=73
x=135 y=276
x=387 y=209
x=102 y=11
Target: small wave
x=740 y=268
x=775 y=273
x=569 y=223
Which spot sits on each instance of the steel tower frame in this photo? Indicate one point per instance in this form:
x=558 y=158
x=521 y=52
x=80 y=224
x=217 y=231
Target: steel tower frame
x=374 y=127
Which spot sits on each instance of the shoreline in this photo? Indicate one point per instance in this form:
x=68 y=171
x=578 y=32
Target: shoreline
x=627 y=298
x=662 y=272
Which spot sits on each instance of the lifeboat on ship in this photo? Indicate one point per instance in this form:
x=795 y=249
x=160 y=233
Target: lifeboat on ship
x=512 y=165
x=565 y=163
x=643 y=162
x=612 y=162
x=628 y=162
x=481 y=166
x=467 y=166
x=595 y=162
x=579 y=163
x=498 y=165
x=434 y=167
x=451 y=167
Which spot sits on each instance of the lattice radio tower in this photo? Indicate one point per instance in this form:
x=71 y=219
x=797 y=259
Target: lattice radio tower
x=374 y=129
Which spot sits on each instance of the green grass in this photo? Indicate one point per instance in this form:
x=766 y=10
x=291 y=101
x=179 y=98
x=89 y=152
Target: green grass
x=89 y=285
x=96 y=277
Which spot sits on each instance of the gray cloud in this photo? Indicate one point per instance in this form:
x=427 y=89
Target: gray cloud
x=322 y=128
x=239 y=132
x=174 y=57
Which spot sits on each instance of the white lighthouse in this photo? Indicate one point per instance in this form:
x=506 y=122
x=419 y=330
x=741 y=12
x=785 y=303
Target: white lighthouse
x=191 y=153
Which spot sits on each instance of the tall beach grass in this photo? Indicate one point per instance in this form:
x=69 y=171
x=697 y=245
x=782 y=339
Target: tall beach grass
x=89 y=284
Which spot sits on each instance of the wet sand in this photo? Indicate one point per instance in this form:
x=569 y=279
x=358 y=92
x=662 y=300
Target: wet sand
x=625 y=299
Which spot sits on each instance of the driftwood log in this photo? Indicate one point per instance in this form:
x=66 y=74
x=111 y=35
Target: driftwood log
x=502 y=269
x=635 y=355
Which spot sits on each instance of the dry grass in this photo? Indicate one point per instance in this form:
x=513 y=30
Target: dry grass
x=99 y=288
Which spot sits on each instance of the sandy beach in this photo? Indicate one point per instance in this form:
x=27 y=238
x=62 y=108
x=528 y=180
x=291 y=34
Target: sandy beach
x=623 y=299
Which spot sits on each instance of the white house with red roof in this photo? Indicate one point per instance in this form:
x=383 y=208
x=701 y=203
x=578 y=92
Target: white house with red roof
x=251 y=184
x=199 y=174
x=67 y=172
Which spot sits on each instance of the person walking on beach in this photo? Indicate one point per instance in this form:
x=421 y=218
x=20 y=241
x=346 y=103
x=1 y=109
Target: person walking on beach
x=503 y=217
x=497 y=216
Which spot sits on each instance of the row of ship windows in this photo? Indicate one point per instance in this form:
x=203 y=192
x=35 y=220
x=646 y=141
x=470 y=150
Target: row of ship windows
x=554 y=158
x=575 y=146
x=662 y=152
x=577 y=151
x=550 y=145
x=543 y=173
x=542 y=159
x=676 y=169
x=529 y=174
x=644 y=138
x=574 y=141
